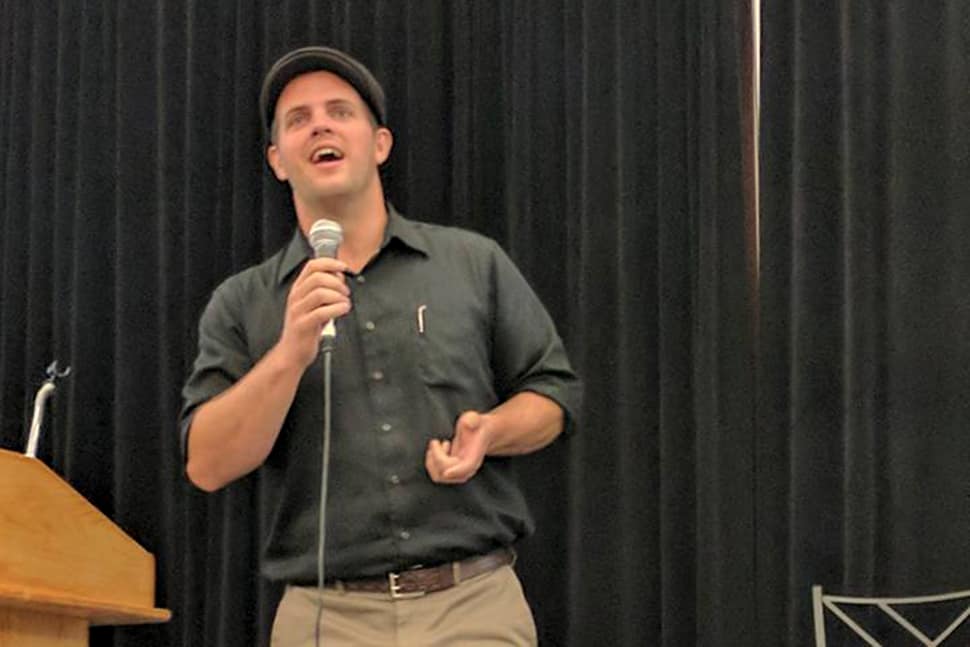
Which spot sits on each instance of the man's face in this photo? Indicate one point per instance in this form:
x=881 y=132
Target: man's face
x=326 y=143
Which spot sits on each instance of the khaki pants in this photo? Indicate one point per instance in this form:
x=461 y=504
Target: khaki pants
x=486 y=610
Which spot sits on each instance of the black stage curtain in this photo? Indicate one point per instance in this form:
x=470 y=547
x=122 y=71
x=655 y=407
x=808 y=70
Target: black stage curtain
x=863 y=449
x=598 y=141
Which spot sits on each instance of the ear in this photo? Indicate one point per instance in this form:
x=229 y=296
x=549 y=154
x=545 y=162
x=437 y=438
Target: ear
x=383 y=142
x=273 y=158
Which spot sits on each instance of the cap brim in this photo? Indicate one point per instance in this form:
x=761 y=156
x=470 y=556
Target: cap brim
x=311 y=59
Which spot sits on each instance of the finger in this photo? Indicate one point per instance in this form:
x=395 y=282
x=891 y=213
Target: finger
x=302 y=319
x=448 y=467
x=311 y=269
x=316 y=289
x=443 y=460
x=324 y=264
x=432 y=459
x=324 y=314
x=460 y=472
x=432 y=463
x=308 y=282
x=318 y=299
x=437 y=460
x=430 y=467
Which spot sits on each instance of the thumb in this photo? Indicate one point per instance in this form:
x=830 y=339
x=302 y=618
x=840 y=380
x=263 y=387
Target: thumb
x=468 y=421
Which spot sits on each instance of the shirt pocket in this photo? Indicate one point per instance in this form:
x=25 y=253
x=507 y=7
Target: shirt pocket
x=452 y=350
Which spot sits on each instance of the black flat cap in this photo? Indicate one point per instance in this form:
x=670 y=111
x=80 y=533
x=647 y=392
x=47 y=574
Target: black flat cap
x=310 y=59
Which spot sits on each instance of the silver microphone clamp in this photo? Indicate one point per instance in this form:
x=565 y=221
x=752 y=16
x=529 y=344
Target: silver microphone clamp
x=43 y=394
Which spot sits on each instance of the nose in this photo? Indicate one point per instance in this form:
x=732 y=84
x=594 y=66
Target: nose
x=321 y=123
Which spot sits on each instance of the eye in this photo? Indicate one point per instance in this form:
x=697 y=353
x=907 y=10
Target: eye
x=342 y=112
x=296 y=118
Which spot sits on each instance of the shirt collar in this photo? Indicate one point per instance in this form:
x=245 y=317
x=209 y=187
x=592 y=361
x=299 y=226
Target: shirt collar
x=404 y=230
x=294 y=254
x=399 y=228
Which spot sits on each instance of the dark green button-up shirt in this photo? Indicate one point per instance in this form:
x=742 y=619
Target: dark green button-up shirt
x=442 y=322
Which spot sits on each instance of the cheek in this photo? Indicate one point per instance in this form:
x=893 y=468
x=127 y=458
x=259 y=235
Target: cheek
x=288 y=163
x=282 y=169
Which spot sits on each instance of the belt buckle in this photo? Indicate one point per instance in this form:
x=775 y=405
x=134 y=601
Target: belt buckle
x=394 y=586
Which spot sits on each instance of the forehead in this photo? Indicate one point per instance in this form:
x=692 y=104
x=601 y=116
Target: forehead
x=314 y=87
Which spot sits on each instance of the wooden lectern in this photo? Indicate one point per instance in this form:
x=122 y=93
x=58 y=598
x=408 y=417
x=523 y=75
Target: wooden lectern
x=64 y=566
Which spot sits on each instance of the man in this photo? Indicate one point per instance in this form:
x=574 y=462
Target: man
x=444 y=366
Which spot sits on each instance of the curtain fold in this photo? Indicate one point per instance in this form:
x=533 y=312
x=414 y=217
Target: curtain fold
x=599 y=142
x=862 y=402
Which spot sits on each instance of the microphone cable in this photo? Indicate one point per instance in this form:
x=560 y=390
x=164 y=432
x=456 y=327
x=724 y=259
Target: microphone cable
x=326 y=347
x=324 y=237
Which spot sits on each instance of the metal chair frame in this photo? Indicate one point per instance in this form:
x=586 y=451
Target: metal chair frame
x=822 y=601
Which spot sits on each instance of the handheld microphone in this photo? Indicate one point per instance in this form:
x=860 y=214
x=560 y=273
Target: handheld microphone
x=325 y=238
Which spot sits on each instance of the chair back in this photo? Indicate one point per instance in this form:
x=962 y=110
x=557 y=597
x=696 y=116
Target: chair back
x=895 y=608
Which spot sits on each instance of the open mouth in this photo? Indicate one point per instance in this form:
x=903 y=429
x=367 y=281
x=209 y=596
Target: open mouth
x=326 y=154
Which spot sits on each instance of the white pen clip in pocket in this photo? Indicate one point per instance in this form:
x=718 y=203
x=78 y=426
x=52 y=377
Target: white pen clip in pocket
x=421 y=310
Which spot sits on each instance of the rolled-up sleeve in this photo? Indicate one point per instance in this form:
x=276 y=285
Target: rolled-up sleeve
x=223 y=356
x=527 y=352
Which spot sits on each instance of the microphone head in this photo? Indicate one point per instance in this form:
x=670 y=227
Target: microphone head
x=325 y=237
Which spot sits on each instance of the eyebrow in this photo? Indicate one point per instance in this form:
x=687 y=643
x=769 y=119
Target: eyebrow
x=341 y=103
x=294 y=110
x=330 y=103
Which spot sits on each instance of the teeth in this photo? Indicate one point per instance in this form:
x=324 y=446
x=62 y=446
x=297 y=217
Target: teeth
x=326 y=153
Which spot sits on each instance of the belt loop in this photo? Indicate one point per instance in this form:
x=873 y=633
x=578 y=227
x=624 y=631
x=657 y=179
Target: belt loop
x=456 y=572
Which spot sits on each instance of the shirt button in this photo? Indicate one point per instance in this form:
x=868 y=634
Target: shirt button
x=386 y=427
x=377 y=376
x=361 y=279
x=404 y=534
x=394 y=479
x=370 y=325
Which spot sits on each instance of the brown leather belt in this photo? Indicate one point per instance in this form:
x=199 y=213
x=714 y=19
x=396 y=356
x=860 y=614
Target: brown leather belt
x=418 y=581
